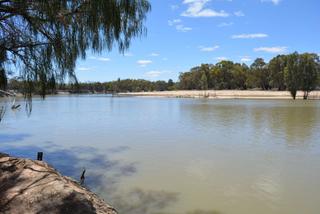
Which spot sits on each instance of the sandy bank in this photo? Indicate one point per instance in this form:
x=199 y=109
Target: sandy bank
x=224 y=94
x=28 y=186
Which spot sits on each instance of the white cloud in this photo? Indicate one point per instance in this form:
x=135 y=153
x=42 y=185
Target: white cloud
x=196 y=8
x=174 y=22
x=225 y=24
x=84 y=69
x=174 y=7
x=152 y=74
x=182 y=28
x=245 y=59
x=155 y=73
x=177 y=23
x=209 y=49
x=279 y=49
x=275 y=2
x=221 y=58
x=128 y=54
x=164 y=58
x=239 y=13
x=105 y=59
x=249 y=36
x=143 y=62
x=154 y=54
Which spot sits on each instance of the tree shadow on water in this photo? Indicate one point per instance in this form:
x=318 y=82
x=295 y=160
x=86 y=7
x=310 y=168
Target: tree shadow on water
x=71 y=162
x=103 y=175
x=140 y=201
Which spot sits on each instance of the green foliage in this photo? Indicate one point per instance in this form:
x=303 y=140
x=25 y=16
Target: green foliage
x=171 y=85
x=45 y=38
x=223 y=74
x=240 y=76
x=309 y=72
x=204 y=81
x=261 y=74
x=285 y=72
x=277 y=67
x=292 y=75
x=126 y=85
x=302 y=73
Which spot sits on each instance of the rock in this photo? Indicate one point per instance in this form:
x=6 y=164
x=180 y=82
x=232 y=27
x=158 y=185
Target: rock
x=28 y=186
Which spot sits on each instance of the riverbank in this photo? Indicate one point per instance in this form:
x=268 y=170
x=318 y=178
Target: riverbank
x=224 y=94
x=28 y=186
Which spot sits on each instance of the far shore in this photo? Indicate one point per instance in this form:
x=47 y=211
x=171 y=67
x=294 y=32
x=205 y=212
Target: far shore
x=209 y=94
x=224 y=94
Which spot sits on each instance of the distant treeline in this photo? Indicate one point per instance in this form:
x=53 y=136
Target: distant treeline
x=126 y=85
x=291 y=72
x=284 y=72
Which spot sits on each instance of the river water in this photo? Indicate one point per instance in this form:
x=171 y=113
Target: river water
x=178 y=156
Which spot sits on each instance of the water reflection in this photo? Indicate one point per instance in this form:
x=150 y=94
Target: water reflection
x=102 y=175
x=211 y=114
x=204 y=212
x=7 y=138
x=140 y=201
x=208 y=156
x=293 y=122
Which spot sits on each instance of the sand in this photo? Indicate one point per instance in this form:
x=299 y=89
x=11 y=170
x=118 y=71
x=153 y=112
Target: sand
x=224 y=94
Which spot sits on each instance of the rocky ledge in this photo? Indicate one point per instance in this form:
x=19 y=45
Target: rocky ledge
x=28 y=186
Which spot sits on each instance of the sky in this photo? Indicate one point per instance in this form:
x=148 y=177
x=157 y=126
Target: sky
x=182 y=34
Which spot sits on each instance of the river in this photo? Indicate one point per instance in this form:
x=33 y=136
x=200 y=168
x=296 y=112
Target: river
x=178 y=156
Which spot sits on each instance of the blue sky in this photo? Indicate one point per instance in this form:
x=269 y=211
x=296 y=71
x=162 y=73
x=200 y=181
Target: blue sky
x=185 y=33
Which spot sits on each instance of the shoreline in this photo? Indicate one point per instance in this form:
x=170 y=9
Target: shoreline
x=224 y=94
x=29 y=186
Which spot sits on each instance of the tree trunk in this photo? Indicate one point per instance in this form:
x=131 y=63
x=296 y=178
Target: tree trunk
x=293 y=94
x=305 y=95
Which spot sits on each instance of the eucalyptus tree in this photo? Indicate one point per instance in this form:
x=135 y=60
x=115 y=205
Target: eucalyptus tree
x=261 y=73
x=41 y=39
x=292 y=74
x=240 y=76
x=204 y=81
x=223 y=74
x=309 y=72
x=276 y=67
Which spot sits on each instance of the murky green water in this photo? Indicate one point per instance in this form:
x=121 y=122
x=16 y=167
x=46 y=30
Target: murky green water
x=181 y=156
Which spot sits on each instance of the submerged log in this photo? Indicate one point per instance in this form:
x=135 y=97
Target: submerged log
x=28 y=186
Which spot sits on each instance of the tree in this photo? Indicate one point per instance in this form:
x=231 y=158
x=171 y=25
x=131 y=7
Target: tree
x=171 y=85
x=52 y=84
x=276 y=67
x=206 y=69
x=160 y=85
x=309 y=72
x=223 y=74
x=3 y=79
x=292 y=74
x=45 y=38
x=261 y=73
x=204 y=81
x=240 y=76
